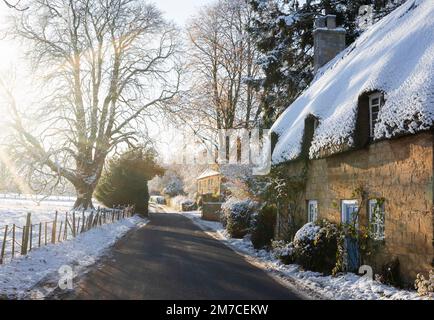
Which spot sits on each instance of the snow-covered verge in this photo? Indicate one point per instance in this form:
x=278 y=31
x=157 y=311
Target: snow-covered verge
x=24 y=276
x=14 y=209
x=347 y=286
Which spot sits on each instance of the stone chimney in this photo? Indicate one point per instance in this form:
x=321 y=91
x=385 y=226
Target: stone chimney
x=328 y=40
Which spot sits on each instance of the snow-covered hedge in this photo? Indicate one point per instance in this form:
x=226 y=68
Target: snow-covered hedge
x=283 y=251
x=237 y=216
x=314 y=247
x=263 y=226
x=307 y=233
x=183 y=202
x=425 y=287
x=174 y=187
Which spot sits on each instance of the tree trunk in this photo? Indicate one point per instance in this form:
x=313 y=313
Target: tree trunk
x=84 y=197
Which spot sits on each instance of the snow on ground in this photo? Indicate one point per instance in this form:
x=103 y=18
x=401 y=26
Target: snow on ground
x=19 y=277
x=347 y=286
x=14 y=209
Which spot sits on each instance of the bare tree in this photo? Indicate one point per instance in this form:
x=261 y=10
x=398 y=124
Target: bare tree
x=104 y=66
x=222 y=62
x=15 y=5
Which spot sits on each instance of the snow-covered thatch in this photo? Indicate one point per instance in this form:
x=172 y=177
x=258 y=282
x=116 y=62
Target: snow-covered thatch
x=395 y=56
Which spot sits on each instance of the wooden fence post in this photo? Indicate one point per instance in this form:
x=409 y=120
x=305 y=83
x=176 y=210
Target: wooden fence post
x=95 y=220
x=40 y=231
x=78 y=227
x=60 y=231
x=83 y=218
x=73 y=224
x=25 y=238
x=53 y=231
x=30 y=237
x=13 y=240
x=65 y=229
x=4 y=245
x=89 y=221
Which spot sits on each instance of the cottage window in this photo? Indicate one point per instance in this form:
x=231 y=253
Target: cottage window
x=376 y=219
x=375 y=104
x=312 y=210
x=350 y=210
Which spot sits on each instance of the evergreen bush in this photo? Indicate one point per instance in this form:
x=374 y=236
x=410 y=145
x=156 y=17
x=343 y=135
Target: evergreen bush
x=263 y=226
x=284 y=251
x=316 y=245
x=237 y=216
x=124 y=182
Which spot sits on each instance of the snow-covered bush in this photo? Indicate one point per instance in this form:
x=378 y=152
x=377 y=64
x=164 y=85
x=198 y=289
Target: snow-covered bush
x=237 y=216
x=315 y=246
x=425 y=287
x=284 y=251
x=263 y=224
x=174 y=187
x=183 y=203
x=390 y=273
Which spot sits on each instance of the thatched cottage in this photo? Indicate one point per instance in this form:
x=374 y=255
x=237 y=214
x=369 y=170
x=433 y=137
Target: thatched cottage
x=362 y=137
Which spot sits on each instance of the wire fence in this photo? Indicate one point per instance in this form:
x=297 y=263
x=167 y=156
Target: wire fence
x=19 y=240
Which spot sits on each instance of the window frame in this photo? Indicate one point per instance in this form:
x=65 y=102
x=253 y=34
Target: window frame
x=371 y=97
x=310 y=217
x=377 y=227
x=344 y=203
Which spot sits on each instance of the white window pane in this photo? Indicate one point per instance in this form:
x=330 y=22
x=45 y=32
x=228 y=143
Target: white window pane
x=312 y=209
x=376 y=219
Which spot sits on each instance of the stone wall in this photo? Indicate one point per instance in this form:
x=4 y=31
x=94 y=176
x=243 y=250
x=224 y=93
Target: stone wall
x=211 y=211
x=399 y=170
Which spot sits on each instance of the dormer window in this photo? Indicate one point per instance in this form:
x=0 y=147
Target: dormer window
x=375 y=104
x=310 y=125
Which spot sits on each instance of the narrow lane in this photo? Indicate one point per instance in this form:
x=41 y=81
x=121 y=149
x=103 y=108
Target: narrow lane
x=171 y=258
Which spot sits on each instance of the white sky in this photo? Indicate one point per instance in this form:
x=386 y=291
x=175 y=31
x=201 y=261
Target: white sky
x=180 y=10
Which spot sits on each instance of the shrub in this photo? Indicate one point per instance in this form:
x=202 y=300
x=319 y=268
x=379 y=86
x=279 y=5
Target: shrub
x=425 y=287
x=263 y=225
x=237 y=216
x=125 y=179
x=315 y=246
x=183 y=203
x=174 y=187
x=390 y=273
x=284 y=251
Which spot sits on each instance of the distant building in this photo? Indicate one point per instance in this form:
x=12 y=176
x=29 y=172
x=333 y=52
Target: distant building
x=209 y=183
